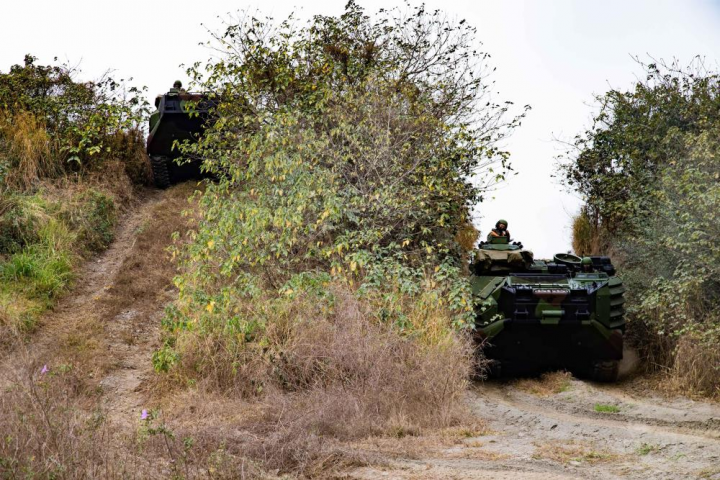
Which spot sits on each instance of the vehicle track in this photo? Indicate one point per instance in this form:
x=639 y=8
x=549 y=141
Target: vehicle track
x=560 y=435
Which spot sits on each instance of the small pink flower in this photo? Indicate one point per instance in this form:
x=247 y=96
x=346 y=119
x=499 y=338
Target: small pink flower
x=44 y=370
x=144 y=415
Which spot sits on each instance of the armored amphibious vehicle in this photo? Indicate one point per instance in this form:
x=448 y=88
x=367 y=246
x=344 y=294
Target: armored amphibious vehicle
x=539 y=315
x=180 y=117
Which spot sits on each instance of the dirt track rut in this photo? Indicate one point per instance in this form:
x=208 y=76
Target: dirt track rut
x=561 y=435
x=108 y=325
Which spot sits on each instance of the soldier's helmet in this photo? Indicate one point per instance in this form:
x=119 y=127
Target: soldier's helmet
x=177 y=84
x=586 y=261
x=504 y=222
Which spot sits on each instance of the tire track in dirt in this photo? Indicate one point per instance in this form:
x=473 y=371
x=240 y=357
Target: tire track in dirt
x=567 y=412
x=560 y=435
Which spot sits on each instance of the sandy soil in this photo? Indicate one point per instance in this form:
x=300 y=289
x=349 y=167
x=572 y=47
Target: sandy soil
x=561 y=435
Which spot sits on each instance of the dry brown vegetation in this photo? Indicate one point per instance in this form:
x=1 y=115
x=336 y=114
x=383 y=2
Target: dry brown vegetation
x=337 y=377
x=573 y=451
x=548 y=384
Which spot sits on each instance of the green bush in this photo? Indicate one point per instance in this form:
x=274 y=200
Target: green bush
x=649 y=170
x=345 y=152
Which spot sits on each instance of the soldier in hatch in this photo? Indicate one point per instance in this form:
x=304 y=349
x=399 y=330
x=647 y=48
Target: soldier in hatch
x=500 y=230
x=177 y=88
x=587 y=266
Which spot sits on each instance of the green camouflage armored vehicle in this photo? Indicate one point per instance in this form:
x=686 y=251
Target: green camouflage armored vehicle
x=180 y=117
x=539 y=315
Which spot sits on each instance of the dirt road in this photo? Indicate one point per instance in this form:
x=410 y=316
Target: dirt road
x=580 y=430
x=107 y=327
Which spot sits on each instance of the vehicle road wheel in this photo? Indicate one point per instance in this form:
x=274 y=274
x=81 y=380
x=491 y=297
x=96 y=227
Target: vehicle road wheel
x=605 y=371
x=494 y=369
x=160 y=171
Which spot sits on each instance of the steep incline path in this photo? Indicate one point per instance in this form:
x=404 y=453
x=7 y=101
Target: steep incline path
x=108 y=326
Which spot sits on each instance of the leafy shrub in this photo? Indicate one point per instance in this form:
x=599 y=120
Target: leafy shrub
x=649 y=172
x=327 y=263
x=615 y=163
x=343 y=149
x=51 y=124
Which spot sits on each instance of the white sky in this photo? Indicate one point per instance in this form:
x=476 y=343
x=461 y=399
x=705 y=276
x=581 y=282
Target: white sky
x=553 y=55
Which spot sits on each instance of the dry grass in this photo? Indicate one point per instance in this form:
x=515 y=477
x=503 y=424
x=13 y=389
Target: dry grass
x=587 y=238
x=53 y=427
x=29 y=149
x=696 y=368
x=34 y=156
x=550 y=383
x=146 y=273
x=45 y=432
x=321 y=379
x=573 y=451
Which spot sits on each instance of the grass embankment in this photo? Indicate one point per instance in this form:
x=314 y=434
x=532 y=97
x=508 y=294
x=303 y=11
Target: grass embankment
x=46 y=234
x=69 y=154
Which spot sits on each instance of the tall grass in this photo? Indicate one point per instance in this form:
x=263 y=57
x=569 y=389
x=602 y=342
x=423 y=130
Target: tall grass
x=43 y=237
x=317 y=370
x=27 y=151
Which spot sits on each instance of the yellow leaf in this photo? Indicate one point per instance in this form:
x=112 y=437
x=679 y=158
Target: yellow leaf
x=211 y=243
x=353 y=266
x=210 y=307
x=406 y=243
x=437 y=269
x=289 y=292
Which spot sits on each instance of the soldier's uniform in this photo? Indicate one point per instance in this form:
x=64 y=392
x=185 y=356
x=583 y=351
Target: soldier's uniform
x=177 y=88
x=498 y=232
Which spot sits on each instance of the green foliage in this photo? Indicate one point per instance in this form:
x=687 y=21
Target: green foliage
x=616 y=163
x=649 y=170
x=674 y=261
x=57 y=124
x=345 y=152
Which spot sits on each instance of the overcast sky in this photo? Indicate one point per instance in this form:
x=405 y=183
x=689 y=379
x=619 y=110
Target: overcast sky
x=553 y=55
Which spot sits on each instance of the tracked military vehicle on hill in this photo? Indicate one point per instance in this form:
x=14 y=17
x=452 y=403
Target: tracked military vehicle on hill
x=539 y=315
x=180 y=117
